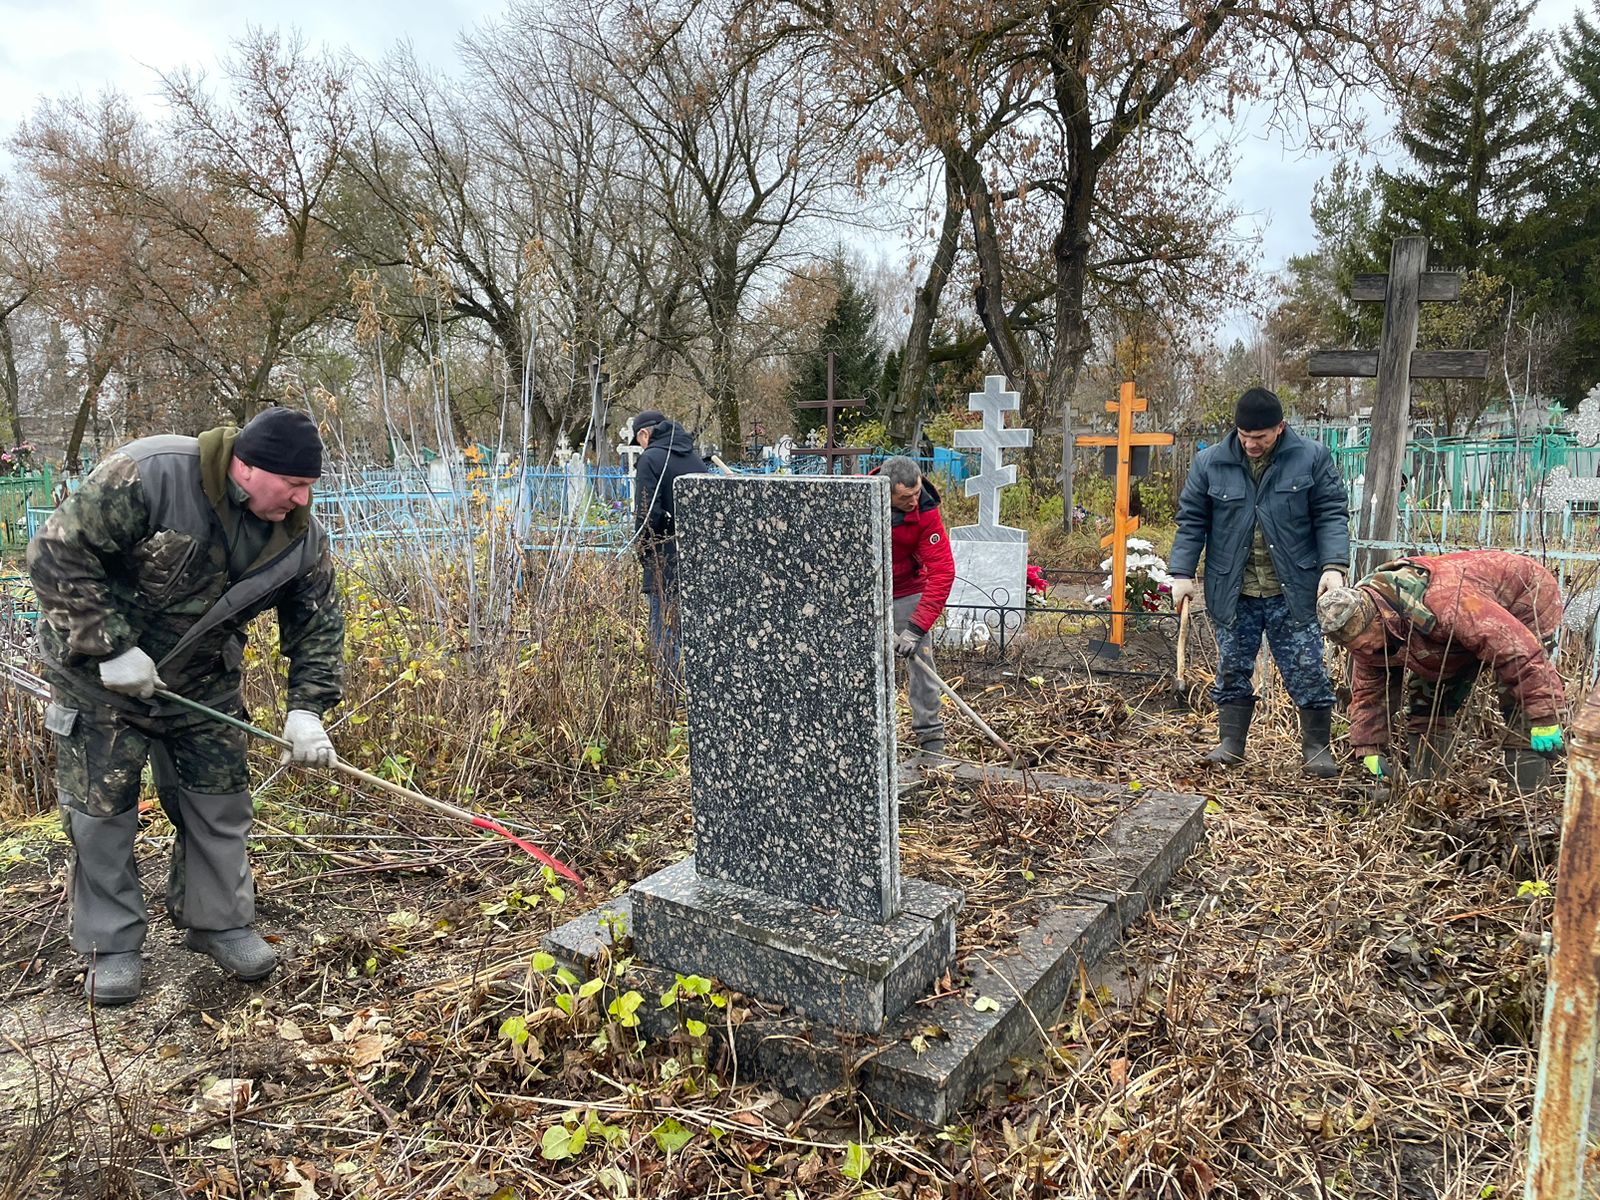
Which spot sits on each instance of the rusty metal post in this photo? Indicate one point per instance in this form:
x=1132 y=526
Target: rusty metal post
x=1572 y=995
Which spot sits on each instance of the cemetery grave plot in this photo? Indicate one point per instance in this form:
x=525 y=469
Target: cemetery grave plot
x=1015 y=842
x=1327 y=989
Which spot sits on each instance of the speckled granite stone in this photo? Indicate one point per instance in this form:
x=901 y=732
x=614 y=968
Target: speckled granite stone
x=851 y=974
x=785 y=605
x=930 y=1079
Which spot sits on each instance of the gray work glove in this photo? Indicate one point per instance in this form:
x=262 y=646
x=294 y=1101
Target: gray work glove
x=311 y=746
x=1329 y=580
x=131 y=673
x=1182 y=589
x=907 y=641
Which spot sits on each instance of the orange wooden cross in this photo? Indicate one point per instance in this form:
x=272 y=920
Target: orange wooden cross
x=1123 y=524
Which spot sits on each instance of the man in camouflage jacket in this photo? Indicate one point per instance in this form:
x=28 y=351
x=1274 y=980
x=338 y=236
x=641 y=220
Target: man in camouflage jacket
x=147 y=579
x=1436 y=621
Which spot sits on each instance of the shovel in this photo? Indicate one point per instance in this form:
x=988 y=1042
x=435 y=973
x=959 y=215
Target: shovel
x=344 y=768
x=966 y=710
x=1179 y=688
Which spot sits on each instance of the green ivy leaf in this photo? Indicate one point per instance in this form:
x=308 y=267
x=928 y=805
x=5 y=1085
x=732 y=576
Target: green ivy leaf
x=556 y=1143
x=856 y=1161
x=671 y=1136
x=543 y=962
x=695 y=1028
x=516 y=1029
x=986 y=1004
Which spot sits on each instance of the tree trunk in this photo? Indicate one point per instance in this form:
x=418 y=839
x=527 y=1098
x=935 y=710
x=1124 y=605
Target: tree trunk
x=912 y=393
x=8 y=381
x=1073 y=338
x=989 y=294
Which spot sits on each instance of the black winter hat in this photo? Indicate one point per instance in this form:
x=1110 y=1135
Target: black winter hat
x=648 y=419
x=283 y=441
x=1258 y=409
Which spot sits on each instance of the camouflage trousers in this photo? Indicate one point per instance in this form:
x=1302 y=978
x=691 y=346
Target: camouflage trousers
x=202 y=781
x=1432 y=704
x=1296 y=648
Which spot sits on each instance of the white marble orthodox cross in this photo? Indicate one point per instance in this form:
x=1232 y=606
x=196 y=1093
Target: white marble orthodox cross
x=993 y=440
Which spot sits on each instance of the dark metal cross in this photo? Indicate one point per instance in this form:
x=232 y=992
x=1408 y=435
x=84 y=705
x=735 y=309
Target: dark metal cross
x=830 y=450
x=1395 y=364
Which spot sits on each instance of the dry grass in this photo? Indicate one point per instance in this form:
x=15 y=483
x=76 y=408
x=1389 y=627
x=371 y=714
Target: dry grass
x=1338 y=998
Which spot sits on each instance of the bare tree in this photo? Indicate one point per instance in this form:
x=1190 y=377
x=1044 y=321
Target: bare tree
x=736 y=156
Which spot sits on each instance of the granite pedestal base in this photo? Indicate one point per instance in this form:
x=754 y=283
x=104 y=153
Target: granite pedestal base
x=906 y=1073
x=853 y=974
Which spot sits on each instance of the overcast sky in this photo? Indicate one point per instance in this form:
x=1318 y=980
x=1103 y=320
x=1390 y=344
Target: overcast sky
x=85 y=46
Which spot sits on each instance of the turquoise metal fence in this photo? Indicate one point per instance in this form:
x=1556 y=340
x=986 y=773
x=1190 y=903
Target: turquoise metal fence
x=19 y=493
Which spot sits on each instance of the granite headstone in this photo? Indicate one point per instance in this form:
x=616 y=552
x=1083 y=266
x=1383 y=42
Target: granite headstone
x=794 y=891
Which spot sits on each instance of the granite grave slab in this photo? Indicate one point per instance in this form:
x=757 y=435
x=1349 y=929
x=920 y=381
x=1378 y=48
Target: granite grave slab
x=794 y=891
x=905 y=1074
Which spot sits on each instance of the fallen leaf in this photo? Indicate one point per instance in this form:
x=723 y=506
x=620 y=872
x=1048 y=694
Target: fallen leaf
x=290 y=1032
x=228 y=1095
x=305 y=1187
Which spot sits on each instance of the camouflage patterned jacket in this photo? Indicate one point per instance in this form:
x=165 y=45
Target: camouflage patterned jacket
x=138 y=557
x=1447 y=613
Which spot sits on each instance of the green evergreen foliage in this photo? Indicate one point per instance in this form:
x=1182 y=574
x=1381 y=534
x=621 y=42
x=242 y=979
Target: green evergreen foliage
x=1479 y=137
x=851 y=333
x=1569 y=254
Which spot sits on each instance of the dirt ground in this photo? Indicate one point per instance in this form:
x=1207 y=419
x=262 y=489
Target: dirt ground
x=1337 y=999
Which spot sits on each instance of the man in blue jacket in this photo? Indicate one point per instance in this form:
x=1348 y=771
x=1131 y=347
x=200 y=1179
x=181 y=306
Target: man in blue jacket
x=668 y=453
x=1270 y=511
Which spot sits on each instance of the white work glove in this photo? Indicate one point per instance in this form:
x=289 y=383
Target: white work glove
x=131 y=673
x=1331 y=578
x=311 y=747
x=906 y=642
x=1182 y=589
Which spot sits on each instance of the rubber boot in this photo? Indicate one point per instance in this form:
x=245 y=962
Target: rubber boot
x=240 y=952
x=1233 y=727
x=113 y=978
x=1427 y=752
x=1316 y=726
x=1527 y=769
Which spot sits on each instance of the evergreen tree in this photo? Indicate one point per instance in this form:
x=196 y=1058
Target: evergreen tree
x=1479 y=137
x=1315 y=311
x=850 y=333
x=1570 y=249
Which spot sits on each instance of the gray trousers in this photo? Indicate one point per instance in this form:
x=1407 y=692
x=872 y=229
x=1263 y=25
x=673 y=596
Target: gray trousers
x=201 y=779
x=921 y=691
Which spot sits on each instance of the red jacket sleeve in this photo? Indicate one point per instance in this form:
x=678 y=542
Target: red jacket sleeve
x=1368 y=712
x=933 y=550
x=1495 y=637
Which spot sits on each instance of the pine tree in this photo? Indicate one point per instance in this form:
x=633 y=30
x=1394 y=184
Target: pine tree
x=1570 y=249
x=1479 y=137
x=850 y=333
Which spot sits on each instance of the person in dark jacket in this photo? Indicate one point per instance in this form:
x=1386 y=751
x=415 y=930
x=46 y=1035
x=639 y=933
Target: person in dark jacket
x=1436 y=621
x=924 y=572
x=1270 y=512
x=668 y=453
x=148 y=578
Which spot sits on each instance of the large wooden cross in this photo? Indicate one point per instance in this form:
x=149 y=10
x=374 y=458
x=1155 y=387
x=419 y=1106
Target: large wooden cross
x=1395 y=363
x=830 y=450
x=1123 y=522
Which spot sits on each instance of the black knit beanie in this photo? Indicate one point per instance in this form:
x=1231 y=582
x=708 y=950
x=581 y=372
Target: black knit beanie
x=283 y=441
x=1258 y=409
x=648 y=419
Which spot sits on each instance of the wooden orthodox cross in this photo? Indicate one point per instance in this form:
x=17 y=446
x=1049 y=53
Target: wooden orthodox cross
x=1123 y=523
x=830 y=449
x=1395 y=364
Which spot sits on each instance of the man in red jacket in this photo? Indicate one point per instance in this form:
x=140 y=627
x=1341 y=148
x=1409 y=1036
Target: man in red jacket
x=924 y=571
x=1442 y=618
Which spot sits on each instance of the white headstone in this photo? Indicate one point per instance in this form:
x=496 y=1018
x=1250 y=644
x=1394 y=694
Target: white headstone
x=991 y=558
